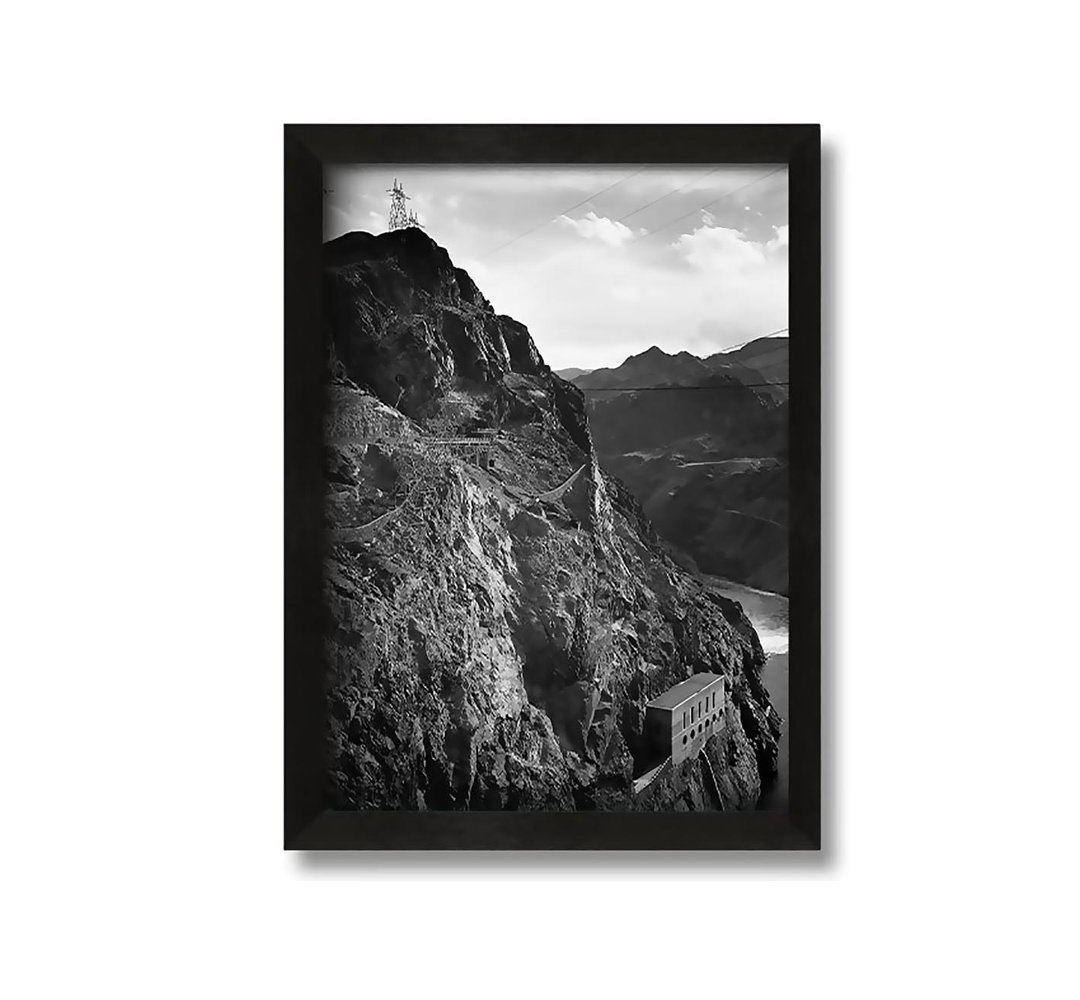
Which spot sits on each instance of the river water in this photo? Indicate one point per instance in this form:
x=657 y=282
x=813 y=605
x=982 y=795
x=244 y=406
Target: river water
x=768 y=613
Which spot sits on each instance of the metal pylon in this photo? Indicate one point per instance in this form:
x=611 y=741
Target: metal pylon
x=400 y=217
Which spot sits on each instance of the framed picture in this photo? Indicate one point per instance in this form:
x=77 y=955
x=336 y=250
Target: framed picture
x=552 y=466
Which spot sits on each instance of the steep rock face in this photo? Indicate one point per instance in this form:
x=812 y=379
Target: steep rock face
x=488 y=649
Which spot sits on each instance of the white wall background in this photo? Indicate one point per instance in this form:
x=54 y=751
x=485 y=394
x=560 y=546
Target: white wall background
x=141 y=415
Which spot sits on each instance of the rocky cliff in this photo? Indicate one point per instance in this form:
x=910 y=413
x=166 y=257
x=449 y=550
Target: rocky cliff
x=496 y=627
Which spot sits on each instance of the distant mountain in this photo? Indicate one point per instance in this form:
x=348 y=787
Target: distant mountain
x=706 y=456
x=766 y=358
x=571 y=373
x=651 y=367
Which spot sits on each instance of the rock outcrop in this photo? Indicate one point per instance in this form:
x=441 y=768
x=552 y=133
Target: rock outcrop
x=488 y=649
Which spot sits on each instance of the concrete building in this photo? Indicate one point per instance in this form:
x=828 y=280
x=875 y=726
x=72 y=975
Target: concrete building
x=681 y=719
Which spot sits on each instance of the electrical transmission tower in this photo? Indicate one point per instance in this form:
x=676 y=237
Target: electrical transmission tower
x=399 y=217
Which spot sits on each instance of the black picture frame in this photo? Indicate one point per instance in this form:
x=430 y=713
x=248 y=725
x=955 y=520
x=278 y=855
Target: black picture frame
x=308 y=825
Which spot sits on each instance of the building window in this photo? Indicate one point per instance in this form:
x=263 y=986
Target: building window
x=684 y=739
x=684 y=720
x=714 y=699
x=691 y=713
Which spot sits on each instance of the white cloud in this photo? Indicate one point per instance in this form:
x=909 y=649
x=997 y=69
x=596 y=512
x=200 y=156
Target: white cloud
x=596 y=227
x=591 y=307
x=780 y=239
x=714 y=248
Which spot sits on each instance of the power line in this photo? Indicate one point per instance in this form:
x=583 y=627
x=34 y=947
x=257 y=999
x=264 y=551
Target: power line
x=693 y=180
x=763 y=336
x=724 y=385
x=654 y=231
x=583 y=201
x=709 y=204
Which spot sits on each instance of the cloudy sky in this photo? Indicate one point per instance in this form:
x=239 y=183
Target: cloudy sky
x=600 y=262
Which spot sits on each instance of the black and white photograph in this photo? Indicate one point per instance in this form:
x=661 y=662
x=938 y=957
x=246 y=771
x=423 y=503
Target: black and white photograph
x=555 y=445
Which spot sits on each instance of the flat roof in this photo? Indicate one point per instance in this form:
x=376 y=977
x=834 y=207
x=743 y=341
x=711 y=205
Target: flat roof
x=683 y=691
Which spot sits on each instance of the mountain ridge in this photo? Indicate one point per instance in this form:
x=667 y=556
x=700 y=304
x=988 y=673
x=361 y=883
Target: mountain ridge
x=709 y=468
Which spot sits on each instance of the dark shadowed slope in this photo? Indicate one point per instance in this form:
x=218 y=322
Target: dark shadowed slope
x=766 y=358
x=708 y=463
